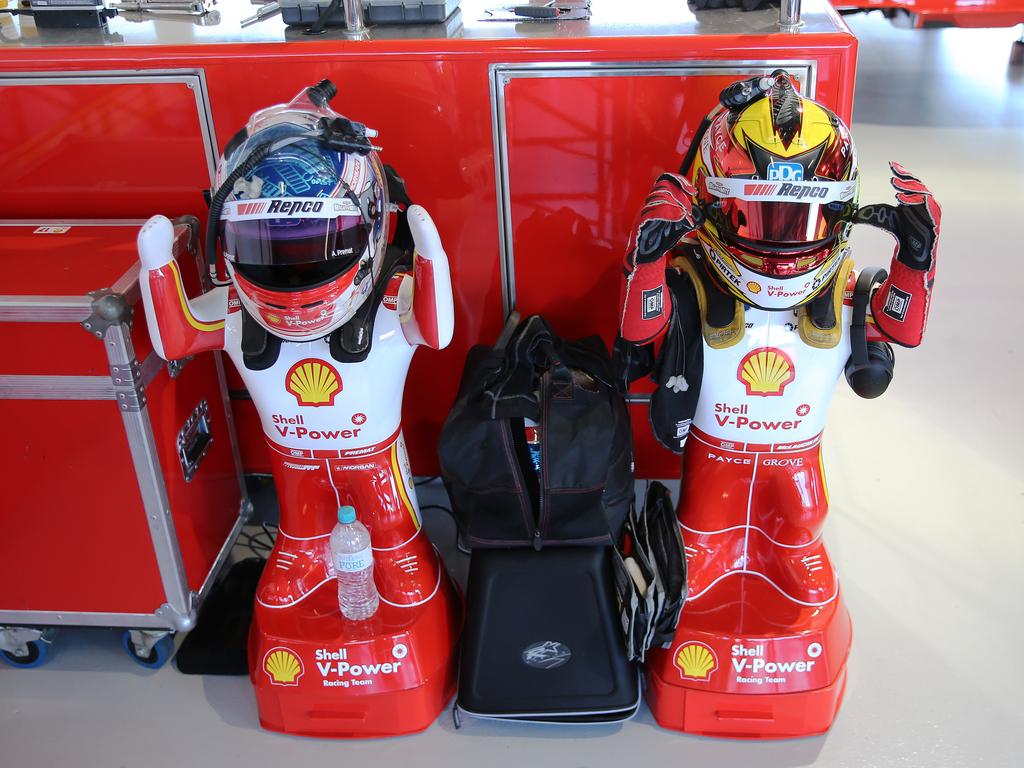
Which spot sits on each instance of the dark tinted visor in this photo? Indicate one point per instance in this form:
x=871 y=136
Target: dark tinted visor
x=295 y=277
x=286 y=242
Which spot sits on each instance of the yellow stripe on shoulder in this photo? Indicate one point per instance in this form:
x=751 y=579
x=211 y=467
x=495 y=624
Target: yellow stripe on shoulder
x=199 y=325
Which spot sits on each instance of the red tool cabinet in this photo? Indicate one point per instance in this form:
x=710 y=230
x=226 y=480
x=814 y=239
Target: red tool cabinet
x=532 y=145
x=123 y=490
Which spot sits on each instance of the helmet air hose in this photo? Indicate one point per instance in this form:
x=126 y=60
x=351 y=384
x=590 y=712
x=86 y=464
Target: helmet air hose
x=320 y=95
x=221 y=195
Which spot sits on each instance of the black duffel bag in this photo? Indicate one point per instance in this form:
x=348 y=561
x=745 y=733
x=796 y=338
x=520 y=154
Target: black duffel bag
x=576 y=484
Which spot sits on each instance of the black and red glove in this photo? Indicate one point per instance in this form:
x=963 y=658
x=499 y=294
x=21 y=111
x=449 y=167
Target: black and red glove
x=901 y=303
x=668 y=214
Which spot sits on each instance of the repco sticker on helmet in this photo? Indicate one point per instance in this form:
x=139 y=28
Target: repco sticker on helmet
x=788 y=191
x=289 y=207
x=784 y=190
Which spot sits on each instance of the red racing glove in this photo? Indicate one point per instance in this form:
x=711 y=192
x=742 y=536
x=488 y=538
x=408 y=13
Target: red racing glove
x=901 y=303
x=668 y=214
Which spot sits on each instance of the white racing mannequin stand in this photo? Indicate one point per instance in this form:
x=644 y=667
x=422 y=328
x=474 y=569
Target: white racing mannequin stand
x=761 y=314
x=332 y=419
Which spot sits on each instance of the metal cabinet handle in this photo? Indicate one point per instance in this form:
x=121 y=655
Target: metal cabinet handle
x=194 y=440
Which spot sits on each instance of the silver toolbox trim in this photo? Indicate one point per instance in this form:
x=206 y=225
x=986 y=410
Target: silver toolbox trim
x=19 y=387
x=44 y=309
x=86 y=619
x=149 y=474
x=43 y=387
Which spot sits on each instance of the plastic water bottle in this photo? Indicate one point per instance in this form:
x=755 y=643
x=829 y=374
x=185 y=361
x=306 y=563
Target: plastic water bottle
x=353 y=564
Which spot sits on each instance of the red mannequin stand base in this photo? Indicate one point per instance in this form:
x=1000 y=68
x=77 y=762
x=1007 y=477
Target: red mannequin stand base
x=761 y=680
x=389 y=675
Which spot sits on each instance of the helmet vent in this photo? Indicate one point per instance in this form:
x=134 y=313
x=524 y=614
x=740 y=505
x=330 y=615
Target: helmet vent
x=787 y=109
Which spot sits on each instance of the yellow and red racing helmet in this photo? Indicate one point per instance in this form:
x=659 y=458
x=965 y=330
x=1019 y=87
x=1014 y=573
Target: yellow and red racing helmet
x=776 y=177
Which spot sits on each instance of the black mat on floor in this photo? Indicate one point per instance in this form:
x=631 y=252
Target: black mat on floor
x=217 y=645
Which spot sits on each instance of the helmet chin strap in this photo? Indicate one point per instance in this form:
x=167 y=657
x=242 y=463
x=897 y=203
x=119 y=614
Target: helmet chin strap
x=351 y=342
x=369 y=215
x=260 y=347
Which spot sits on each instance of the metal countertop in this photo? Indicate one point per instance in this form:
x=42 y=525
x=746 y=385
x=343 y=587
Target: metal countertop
x=610 y=19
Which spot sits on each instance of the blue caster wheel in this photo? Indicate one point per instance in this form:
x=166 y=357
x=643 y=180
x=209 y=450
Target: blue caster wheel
x=38 y=651
x=158 y=655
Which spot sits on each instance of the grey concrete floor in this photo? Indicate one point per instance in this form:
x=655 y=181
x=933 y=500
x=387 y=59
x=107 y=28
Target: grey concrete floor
x=927 y=523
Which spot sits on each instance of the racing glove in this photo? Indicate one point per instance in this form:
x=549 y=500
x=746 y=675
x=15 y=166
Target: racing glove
x=901 y=303
x=668 y=214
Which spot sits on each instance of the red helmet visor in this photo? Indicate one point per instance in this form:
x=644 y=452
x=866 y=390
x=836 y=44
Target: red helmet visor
x=780 y=223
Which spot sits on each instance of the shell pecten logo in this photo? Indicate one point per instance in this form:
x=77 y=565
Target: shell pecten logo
x=283 y=666
x=766 y=371
x=313 y=382
x=695 y=661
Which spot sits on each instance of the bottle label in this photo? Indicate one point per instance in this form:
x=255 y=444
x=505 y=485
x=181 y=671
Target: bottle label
x=351 y=562
x=532 y=430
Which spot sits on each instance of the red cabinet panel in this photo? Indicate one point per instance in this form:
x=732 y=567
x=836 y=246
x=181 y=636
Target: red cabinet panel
x=103 y=150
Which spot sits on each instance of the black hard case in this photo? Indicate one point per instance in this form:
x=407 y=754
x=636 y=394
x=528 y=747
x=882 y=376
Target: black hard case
x=521 y=599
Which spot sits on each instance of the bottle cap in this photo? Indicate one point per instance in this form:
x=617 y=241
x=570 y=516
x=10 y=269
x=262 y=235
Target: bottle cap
x=347 y=514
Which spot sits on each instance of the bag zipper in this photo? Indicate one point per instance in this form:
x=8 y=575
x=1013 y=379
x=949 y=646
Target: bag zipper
x=506 y=438
x=545 y=386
